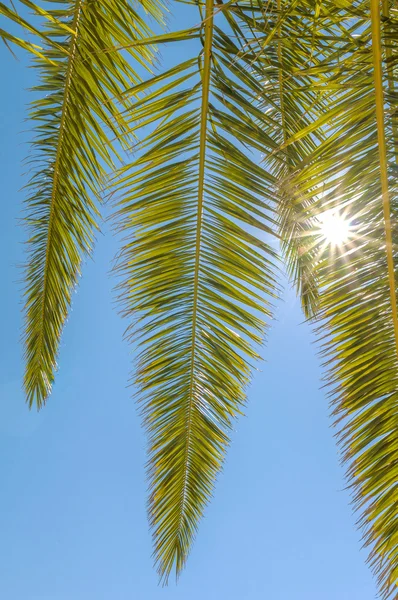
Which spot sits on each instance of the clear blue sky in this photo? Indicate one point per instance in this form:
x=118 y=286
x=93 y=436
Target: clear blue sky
x=72 y=502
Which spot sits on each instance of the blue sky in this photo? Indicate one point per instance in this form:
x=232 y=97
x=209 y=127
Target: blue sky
x=72 y=507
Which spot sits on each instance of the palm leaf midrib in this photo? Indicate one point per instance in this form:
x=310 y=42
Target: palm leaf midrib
x=207 y=51
x=390 y=73
x=64 y=111
x=385 y=195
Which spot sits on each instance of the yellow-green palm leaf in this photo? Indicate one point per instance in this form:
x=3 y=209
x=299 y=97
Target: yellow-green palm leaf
x=76 y=115
x=196 y=267
x=288 y=110
x=354 y=170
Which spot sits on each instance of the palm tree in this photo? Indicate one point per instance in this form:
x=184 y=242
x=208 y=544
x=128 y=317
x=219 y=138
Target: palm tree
x=285 y=119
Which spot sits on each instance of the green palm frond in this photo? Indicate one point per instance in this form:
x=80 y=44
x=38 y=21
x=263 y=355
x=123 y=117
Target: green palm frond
x=295 y=103
x=289 y=110
x=355 y=171
x=196 y=267
x=75 y=116
x=298 y=37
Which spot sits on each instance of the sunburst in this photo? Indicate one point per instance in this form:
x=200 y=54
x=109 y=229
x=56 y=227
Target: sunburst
x=334 y=228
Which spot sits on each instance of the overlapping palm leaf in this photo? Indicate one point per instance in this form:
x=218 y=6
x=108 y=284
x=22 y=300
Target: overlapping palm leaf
x=196 y=266
x=357 y=305
x=295 y=83
x=298 y=38
x=290 y=30
x=10 y=14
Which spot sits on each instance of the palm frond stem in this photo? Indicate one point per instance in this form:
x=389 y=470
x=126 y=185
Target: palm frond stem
x=391 y=83
x=280 y=76
x=379 y=96
x=208 y=38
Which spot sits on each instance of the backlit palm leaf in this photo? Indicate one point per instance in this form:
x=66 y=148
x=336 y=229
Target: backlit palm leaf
x=75 y=116
x=297 y=37
x=290 y=29
x=308 y=86
x=355 y=170
x=196 y=266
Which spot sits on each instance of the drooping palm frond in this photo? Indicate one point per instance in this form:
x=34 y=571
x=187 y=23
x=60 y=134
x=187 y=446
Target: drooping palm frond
x=298 y=37
x=76 y=115
x=310 y=85
x=196 y=266
x=356 y=169
x=289 y=31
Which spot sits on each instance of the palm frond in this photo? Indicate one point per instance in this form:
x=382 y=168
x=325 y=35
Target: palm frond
x=296 y=101
x=196 y=265
x=355 y=171
x=382 y=147
x=310 y=86
x=298 y=38
x=75 y=117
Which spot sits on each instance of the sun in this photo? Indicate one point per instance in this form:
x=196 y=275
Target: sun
x=334 y=228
